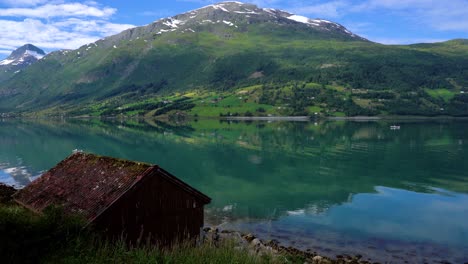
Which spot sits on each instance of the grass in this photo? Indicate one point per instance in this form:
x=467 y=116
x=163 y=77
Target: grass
x=444 y=94
x=338 y=114
x=314 y=109
x=366 y=103
x=243 y=101
x=81 y=251
x=27 y=237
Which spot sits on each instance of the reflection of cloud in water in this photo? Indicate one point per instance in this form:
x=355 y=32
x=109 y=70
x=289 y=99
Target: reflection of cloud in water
x=397 y=214
x=219 y=216
x=296 y=212
x=6 y=178
x=234 y=214
x=228 y=208
x=16 y=176
x=391 y=223
x=318 y=208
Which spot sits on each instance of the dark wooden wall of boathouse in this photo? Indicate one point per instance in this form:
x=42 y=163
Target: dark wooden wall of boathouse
x=157 y=209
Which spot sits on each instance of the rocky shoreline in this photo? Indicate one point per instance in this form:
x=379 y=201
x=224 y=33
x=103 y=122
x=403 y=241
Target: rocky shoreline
x=256 y=246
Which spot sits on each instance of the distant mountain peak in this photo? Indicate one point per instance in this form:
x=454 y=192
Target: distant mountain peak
x=24 y=56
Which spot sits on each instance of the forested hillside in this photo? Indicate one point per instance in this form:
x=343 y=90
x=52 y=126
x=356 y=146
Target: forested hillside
x=239 y=59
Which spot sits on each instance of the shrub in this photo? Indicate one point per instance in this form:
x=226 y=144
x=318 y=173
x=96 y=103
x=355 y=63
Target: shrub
x=248 y=113
x=26 y=236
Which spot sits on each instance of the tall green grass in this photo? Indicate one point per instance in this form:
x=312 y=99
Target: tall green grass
x=82 y=251
x=26 y=237
x=52 y=237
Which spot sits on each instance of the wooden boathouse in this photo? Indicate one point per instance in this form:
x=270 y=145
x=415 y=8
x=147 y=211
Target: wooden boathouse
x=121 y=198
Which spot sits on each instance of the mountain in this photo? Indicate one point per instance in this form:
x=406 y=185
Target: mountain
x=20 y=59
x=232 y=58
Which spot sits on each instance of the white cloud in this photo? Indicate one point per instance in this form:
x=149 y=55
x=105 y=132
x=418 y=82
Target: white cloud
x=24 y=2
x=70 y=34
x=55 y=26
x=101 y=27
x=59 y=10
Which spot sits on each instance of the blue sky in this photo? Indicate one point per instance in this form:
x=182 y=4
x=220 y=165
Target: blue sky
x=60 y=24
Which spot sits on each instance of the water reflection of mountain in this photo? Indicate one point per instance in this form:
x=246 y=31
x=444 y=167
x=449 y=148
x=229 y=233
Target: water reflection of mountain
x=264 y=169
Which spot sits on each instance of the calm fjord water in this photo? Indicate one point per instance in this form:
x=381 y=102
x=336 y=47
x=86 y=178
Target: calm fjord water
x=333 y=187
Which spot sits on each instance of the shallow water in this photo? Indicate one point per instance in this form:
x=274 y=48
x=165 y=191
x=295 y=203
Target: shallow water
x=333 y=187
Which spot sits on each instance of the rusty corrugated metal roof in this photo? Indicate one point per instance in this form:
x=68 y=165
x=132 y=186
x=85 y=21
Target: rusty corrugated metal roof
x=88 y=184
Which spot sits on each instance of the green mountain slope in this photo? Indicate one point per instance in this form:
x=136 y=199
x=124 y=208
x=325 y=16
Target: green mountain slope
x=239 y=59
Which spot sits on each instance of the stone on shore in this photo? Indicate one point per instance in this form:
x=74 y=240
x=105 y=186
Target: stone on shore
x=257 y=247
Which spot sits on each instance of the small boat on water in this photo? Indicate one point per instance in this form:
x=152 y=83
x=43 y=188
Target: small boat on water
x=394 y=127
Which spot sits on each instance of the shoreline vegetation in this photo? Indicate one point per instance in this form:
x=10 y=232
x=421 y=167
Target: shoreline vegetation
x=289 y=99
x=53 y=237
x=251 y=118
x=346 y=118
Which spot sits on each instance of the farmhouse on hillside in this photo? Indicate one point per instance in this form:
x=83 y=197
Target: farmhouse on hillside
x=121 y=198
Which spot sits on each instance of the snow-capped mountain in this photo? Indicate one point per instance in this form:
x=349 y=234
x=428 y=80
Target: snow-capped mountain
x=235 y=15
x=19 y=59
x=24 y=56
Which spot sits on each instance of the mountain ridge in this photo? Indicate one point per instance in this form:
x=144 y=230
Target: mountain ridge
x=209 y=15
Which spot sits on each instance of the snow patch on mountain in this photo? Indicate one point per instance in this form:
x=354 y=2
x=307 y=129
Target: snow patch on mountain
x=173 y=23
x=34 y=54
x=250 y=12
x=6 y=62
x=188 y=30
x=220 y=6
x=228 y=23
x=308 y=21
x=301 y=19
